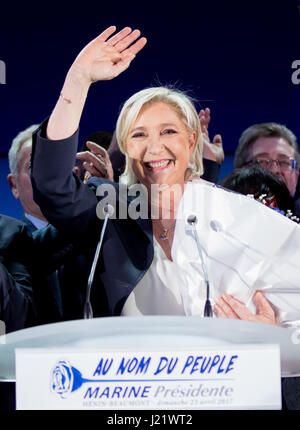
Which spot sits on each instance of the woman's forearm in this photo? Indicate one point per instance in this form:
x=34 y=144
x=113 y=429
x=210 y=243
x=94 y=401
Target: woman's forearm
x=103 y=58
x=65 y=118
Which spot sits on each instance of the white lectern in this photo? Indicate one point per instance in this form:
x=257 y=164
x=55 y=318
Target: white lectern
x=157 y=362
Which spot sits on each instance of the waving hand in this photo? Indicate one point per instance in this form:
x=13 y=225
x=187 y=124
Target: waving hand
x=103 y=58
x=109 y=54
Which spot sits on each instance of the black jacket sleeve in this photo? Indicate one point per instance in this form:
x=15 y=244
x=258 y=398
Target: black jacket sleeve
x=16 y=307
x=16 y=295
x=59 y=193
x=211 y=171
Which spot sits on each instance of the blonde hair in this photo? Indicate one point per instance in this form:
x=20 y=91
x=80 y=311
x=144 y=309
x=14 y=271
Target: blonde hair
x=183 y=106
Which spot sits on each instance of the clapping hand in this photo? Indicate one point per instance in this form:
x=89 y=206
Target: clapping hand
x=211 y=150
x=96 y=162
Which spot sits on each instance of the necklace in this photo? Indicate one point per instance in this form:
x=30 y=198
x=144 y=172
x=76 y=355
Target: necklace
x=164 y=234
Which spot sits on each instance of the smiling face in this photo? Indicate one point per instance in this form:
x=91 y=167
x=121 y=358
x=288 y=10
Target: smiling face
x=159 y=145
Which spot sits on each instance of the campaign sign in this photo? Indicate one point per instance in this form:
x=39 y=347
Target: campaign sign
x=241 y=377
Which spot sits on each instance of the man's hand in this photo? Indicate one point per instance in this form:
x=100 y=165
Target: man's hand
x=96 y=162
x=211 y=150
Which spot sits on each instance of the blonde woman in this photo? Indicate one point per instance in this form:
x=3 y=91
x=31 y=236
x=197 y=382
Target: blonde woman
x=159 y=132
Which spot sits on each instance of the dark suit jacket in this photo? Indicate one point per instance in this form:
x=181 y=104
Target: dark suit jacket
x=26 y=260
x=16 y=295
x=25 y=298
x=70 y=206
x=46 y=290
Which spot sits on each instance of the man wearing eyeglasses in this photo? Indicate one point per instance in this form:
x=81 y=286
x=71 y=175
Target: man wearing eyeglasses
x=273 y=147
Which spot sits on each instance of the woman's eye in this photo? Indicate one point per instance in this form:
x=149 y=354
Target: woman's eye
x=139 y=134
x=169 y=131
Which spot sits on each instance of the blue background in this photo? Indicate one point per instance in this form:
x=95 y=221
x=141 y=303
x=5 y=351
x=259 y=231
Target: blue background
x=234 y=57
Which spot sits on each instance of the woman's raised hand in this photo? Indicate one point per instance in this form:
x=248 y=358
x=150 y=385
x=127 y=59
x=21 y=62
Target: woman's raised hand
x=103 y=58
x=109 y=54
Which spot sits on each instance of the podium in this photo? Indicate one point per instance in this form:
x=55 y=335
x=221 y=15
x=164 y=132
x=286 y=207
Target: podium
x=190 y=343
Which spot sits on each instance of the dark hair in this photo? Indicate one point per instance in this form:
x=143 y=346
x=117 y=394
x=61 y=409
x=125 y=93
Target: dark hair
x=256 y=131
x=102 y=138
x=257 y=181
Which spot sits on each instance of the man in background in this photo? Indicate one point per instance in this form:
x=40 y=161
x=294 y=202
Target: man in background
x=19 y=178
x=46 y=289
x=273 y=147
